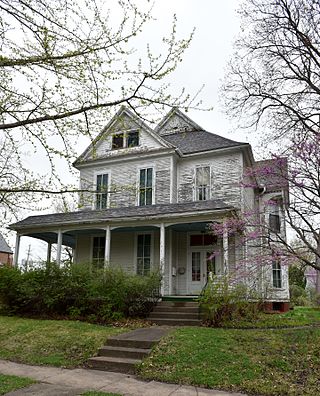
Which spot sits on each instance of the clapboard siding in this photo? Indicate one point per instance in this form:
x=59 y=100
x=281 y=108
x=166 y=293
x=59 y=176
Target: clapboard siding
x=226 y=173
x=123 y=181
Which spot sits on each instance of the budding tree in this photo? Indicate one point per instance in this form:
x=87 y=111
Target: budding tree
x=65 y=66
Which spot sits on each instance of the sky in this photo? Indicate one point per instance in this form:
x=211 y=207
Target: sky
x=216 y=25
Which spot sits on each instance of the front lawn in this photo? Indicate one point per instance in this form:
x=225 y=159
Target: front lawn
x=264 y=362
x=59 y=343
x=299 y=316
x=10 y=383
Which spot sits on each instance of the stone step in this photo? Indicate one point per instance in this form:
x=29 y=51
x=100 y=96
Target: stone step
x=164 y=308
x=174 y=315
x=127 y=343
x=108 y=363
x=175 y=322
x=131 y=353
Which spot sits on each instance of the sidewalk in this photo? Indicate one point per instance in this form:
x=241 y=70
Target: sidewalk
x=64 y=382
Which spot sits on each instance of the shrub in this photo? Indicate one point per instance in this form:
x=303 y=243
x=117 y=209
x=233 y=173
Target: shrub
x=77 y=291
x=299 y=296
x=221 y=303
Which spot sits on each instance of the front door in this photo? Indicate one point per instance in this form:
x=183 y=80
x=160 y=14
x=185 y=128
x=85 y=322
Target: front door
x=200 y=265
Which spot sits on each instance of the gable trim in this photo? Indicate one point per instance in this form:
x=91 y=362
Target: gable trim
x=175 y=111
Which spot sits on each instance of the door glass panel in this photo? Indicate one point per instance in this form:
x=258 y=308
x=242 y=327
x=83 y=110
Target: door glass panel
x=196 y=266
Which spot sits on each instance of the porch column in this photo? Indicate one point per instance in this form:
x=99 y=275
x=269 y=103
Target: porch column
x=49 y=248
x=16 y=250
x=162 y=255
x=59 y=247
x=107 y=247
x=225 y=244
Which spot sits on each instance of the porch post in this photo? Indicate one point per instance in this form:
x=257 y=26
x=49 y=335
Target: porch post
x=162 y=255
x=107 y=247
x=49 y=252
x=225 y=243
x=16 y=250
x=59 y=247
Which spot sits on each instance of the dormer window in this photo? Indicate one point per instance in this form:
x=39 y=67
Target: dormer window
x=125 y=140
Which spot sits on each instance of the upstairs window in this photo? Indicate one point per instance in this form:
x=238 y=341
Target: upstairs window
x=125 y=140
x=276 y=275
x=102 y=191
x=145 y=187
x=274 y=217
x=202 y=183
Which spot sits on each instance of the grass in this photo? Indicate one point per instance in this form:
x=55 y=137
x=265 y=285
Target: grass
x=10 y=383
x=264 y=362
x=58 y=343
x=300 y=316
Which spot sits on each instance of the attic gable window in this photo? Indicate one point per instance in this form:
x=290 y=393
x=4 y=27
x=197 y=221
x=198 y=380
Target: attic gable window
x=125 y=140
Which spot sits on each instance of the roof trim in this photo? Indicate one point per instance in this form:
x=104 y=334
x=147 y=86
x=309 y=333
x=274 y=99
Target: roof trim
x=105 y=130
x=176 y=111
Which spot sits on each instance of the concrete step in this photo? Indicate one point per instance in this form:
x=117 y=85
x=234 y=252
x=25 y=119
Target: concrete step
x=164 y=308
x=175 y=322
x=178 y=303
x=108 y=363
x=131 y=353
x=174 y=315
x=125 y=343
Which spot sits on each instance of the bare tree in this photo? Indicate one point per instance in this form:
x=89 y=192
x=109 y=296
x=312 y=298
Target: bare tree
x=274 y=76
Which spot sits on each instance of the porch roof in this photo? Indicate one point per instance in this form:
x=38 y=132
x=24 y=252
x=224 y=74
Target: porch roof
x=129 y=213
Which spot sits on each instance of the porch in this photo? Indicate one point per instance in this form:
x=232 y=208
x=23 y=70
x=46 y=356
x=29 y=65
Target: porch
x=179 y=245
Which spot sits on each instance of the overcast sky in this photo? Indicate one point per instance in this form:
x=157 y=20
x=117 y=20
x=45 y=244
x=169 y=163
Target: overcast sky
x=217 y=25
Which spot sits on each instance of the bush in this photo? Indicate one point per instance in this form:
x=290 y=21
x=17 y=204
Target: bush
x=222 y=304
x=299 y=296
x=77 y=291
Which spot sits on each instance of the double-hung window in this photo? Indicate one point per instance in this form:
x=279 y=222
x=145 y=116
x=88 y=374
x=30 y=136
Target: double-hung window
x=98 y=251
x=276 y=274
x=101 y=191
x=202 y=187
x=145 y=186
x=144 y=254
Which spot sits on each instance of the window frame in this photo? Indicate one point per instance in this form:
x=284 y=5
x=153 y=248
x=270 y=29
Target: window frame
x=137 y=234
x=274 y=211
x=101 y=265
x=277 y=281
x=153 y=191
x=196 y=187
x=125 y=139
x=95 y=185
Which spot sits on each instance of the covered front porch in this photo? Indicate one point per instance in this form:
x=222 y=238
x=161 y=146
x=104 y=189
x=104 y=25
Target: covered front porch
x=180 y=246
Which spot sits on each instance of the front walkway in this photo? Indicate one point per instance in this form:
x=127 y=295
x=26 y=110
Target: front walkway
x=56 y=381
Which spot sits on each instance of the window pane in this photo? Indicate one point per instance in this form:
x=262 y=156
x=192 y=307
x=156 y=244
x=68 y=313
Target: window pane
x=133 y=139
x=196 y=275
x=117 y=141
x=142 y=200
x=209 y=239
x=274 y=222
x=98 y=251
x=149 y=177
x=142 y=178
x=276 y=275
x=196 y=240
x=147 y=239
x=211 y=264
x=203 y=175
x=143 y=254
x=149 y=196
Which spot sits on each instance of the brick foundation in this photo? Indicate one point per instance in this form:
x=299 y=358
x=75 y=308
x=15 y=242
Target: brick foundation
x=276 y=306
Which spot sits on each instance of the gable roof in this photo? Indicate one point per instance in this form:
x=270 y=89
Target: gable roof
x=187 y=136
x=121 y=112
x=200 y=141
x=4 y=247
x=272 y=174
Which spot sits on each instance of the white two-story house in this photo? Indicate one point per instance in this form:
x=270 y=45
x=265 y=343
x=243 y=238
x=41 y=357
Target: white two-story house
x=149 y=197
